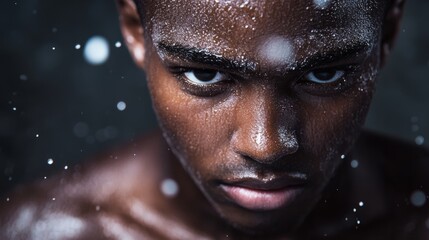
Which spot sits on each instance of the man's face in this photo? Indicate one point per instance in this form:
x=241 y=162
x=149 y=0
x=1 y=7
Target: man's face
x=260 y=99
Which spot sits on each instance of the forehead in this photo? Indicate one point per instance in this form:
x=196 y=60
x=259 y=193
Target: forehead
x=231 y=27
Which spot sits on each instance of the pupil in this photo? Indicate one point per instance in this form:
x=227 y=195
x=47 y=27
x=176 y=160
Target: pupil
x=325 y=74
x=205 y=75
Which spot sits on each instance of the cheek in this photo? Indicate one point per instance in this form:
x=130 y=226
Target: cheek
x=197 y=129
x=332 y=127
x=332 y=124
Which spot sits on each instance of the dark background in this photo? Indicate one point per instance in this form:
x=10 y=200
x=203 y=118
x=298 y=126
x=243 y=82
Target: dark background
x=55 y=105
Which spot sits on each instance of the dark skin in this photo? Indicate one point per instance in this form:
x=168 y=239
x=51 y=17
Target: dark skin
x=260 y=104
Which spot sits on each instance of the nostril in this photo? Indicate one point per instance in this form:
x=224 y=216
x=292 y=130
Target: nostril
x=263 y=158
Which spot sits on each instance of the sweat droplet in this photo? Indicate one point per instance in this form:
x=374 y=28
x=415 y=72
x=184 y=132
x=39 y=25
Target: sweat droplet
x=50 y=161
x=96 y=50
x=418 y=198
x=169 y=188
x=121 y=106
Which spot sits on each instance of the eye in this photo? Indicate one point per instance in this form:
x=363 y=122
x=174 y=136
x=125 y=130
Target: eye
x=204 y=77
x=324 y=75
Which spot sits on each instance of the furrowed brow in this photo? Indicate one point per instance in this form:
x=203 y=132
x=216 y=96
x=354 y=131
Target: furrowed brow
x=334 y=54
x=213 y=60
x=205 y=57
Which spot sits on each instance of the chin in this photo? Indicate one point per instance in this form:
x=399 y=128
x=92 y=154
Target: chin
x=271 y=223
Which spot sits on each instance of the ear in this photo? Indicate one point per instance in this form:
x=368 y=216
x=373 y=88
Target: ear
x=391 y=24
x=132 y=30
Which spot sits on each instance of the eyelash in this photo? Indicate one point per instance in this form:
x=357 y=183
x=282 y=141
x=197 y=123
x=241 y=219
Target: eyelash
x=345 y=82
x=301 y=85
x=208 y=90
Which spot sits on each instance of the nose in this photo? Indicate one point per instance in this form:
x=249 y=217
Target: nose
x=264 y=127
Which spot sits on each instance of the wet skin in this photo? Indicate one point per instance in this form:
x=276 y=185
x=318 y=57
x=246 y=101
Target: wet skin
x=286 y=87
x=260 y=104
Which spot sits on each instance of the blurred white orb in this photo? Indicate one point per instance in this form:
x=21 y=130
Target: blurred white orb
x=96 y=50
x=121 y=105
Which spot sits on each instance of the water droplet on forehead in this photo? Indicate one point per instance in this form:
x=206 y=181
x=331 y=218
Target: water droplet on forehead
x=244 y=4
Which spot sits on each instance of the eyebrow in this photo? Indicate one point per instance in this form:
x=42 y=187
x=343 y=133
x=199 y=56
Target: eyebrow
x=334 y=54
x=205 y=57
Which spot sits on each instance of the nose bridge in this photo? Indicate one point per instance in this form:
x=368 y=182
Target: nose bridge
x=263 y=131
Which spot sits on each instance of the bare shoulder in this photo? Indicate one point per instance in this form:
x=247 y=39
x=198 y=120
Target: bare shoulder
x=404 y=164
x=402 y=174
x=94 y=200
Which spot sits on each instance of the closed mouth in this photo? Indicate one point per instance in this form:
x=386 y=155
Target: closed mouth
x=259 y=195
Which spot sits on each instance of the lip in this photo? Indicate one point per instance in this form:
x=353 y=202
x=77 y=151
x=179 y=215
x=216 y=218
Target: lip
x=259 y=195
